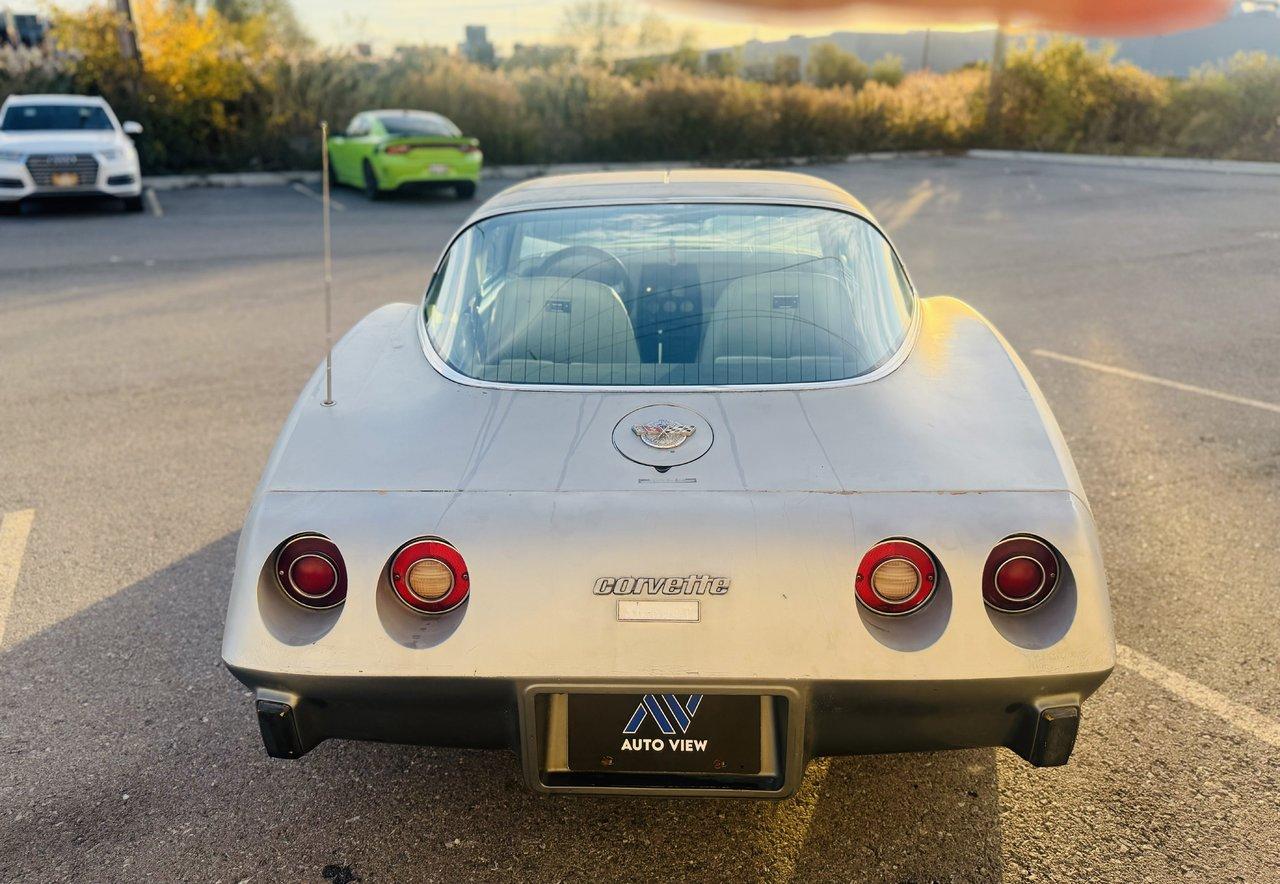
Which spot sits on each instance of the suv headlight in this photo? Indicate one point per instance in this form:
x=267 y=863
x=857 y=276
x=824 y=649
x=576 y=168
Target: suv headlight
x=10 y=156
x=111 y=153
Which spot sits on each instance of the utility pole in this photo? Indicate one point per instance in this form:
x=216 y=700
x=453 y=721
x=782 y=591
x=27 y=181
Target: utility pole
x=128 y=33
x=995 y=98
x=924 y=56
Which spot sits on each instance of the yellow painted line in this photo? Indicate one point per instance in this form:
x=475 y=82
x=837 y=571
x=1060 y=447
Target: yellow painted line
x=904 y=213
x=318 y=197
x=14 y=530
x=789 y=822
x=1265 y=729
x=1163 y=382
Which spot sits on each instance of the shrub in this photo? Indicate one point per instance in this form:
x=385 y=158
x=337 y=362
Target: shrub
x=829 y=65
x=1065 y=97
x=245 y=91
x=887 y=69
x=1228 y=110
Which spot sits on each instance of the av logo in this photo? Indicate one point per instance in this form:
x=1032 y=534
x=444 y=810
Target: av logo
x=665 y=709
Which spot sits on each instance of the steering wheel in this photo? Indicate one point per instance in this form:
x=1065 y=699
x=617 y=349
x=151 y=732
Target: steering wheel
x=587 y=262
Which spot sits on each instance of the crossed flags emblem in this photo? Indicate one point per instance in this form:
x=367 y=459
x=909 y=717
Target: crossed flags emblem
x=667 y=712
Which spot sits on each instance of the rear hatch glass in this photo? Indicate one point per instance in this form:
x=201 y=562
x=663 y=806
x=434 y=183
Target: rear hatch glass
x=669 y=295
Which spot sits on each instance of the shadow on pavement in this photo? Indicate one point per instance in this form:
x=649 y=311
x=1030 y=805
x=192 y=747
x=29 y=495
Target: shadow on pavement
x=63 y=207
x=128 y=752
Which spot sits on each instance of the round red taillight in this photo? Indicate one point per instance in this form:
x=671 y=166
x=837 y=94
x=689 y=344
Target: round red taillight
x=896 y=577
x=430 y=576
x=310 y=571
x=1021 y=573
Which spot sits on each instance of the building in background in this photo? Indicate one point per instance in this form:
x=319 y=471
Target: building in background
x=22 y=29
x=477 y=47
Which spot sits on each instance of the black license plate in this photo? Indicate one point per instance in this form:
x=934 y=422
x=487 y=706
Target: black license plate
x=665 y=733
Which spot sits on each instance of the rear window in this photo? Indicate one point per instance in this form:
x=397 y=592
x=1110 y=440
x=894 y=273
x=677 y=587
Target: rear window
x=54 y=117
x=669 y=295
x=406 y=124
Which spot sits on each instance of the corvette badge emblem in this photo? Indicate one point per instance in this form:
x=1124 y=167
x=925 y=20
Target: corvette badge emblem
x=663 y=434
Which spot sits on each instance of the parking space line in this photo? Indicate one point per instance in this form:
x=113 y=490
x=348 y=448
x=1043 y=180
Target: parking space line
x=14 y=530
x=153 y=202
x=905 y=212
x=1163 y=382
x=1206 y=698
x=307 y=191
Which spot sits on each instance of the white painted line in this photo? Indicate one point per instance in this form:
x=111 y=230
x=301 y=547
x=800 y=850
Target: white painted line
x=153 y=202
x=1172 y=164
x=14 y=530
x=307 y=191
x=1164 y=382
x=1242 y=717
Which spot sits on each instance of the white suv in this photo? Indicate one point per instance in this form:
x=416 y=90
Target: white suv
x=66 y=145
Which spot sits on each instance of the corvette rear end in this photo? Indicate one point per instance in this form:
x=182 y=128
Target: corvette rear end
x=673 y=550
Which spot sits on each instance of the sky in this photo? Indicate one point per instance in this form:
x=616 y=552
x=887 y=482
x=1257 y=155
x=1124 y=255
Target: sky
x=387 y=23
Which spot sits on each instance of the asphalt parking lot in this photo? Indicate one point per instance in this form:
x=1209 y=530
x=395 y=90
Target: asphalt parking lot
x=148 y=361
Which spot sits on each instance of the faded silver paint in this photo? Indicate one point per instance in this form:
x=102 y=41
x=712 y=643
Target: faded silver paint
x=952 y=446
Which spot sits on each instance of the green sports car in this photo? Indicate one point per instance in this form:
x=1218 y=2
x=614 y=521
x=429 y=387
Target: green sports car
x=386 y=150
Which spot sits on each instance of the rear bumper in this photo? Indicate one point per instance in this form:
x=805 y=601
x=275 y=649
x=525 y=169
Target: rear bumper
x=1036 y=717
x=397 y=172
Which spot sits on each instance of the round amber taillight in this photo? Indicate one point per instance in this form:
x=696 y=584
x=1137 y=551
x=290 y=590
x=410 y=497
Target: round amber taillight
x=1021 y=573
x=310 y=571
x=895 y=580
x=429 y=579
x=896 y=577
x=429 y=576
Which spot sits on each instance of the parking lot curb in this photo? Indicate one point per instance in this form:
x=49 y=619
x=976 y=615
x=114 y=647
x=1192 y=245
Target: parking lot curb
x=522 y=172
x=519 y=173
x=538 y=170
x=1172 y=164
x=230 y=179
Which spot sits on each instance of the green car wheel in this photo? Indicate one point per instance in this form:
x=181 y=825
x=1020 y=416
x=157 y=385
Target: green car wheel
x=371 y=189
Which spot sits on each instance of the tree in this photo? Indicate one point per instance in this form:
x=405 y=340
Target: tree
x=829 y=65
x=687 y=56
x=539 y=55
x=724 y=63
x=887 y=69
x=786 y=69
x=263 y=21
x=597 y=27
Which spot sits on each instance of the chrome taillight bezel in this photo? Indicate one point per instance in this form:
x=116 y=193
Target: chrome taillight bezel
x=302 y=546
x=1013 y=548
x=441 y=551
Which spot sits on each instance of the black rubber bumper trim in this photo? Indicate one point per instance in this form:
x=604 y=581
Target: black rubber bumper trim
x=279 y=726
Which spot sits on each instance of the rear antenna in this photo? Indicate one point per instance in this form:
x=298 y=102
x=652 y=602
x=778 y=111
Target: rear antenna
x=328 y=265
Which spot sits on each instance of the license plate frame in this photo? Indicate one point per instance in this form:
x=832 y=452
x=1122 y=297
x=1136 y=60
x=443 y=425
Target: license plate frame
x=665 y=733
x=65 y=179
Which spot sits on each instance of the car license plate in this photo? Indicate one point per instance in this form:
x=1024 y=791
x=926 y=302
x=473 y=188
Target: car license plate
x=439 y=169
x=665 y=733
x=65 y=179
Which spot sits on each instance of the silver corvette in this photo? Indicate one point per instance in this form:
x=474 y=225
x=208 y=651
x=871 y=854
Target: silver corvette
x=671 y=483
